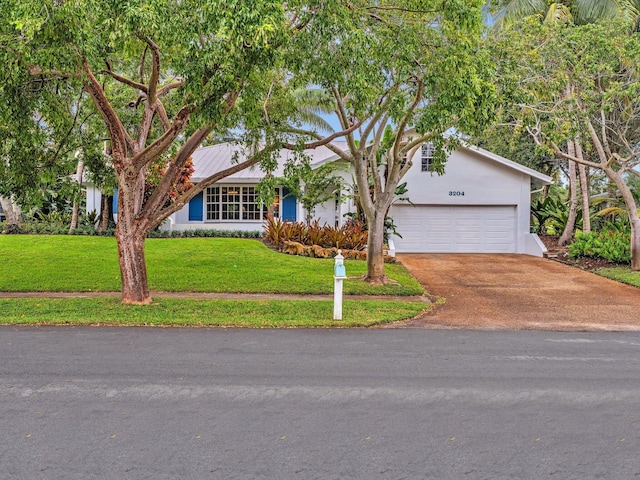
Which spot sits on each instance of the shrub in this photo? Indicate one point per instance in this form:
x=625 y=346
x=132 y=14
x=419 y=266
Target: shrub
x=611 y=245
x=273 y=230
x=351 y=236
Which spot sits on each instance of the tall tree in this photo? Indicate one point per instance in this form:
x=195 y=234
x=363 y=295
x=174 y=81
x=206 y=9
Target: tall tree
x=414 y=65
x=191 y=68
x=601 y=115
x=578 y=12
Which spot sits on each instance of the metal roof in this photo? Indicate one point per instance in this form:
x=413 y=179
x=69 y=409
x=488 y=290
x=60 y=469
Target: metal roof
x=210 y=160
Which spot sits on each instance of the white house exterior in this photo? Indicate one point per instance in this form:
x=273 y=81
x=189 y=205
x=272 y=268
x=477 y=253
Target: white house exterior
x=480 y=205
x=231 y=204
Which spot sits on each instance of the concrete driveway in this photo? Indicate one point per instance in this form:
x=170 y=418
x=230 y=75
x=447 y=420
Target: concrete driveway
x=520 y=292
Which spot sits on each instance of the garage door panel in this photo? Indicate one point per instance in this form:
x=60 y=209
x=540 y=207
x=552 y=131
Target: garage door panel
x=459 y=229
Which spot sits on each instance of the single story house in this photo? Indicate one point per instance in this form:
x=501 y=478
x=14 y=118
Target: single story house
x=480 y=205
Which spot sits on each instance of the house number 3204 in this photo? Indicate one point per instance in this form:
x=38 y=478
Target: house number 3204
x=456 y=194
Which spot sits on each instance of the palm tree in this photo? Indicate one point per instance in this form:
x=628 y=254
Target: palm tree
x=562 y=11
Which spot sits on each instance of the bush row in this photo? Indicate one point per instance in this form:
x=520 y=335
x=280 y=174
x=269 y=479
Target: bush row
x=40 y=228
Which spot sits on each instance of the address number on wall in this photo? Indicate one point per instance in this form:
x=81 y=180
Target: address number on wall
x=456 y=194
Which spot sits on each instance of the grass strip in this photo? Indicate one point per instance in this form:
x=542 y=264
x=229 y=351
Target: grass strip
x=203 y=313
x=60 y=263
x=621 y=274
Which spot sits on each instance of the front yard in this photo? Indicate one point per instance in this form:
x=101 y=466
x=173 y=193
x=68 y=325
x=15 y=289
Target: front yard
x=89 y=264
x=61 y=263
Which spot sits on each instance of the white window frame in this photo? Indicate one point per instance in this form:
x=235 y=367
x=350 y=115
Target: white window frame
x=236 y=203
x=426 y=153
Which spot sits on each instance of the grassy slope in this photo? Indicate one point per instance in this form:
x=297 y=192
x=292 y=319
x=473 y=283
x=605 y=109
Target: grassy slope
x=74 y=263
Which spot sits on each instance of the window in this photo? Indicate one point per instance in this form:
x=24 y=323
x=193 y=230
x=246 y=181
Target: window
x=427 y=157
x=238 y=203
x=230 y=203
x=275 y=206
x=213 y=203
x=250 y=209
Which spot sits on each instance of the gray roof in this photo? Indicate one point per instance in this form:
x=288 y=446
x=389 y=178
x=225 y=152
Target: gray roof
x=210 y=160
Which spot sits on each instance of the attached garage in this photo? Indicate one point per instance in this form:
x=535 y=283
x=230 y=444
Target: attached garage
x=480 y=205
x=459 y=229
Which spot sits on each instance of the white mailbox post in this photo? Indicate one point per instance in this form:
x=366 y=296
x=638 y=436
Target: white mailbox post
x=339 y=274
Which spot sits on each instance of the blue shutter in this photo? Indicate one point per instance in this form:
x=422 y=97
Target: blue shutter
x=288 y=206
x=196 y=208
x=115 y=201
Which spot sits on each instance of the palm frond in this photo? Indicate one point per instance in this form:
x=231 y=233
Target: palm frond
x=315 y=99
x=586 y=11
x=314 y=120
x=614 y=212
x=558 y=13
x=514 y=10
x=311 y=103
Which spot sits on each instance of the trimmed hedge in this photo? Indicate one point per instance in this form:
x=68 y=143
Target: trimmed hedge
x=43 y=228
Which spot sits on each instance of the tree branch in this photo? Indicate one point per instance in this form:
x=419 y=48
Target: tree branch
x=162 y=144
x=121 y=143
x=171 y=86
x=559 y=153
x=321 y=140
x=124 y=80
x=154 y=78
x=343 y=117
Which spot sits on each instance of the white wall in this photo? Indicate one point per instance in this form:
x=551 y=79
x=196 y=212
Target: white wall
x=94 y=198
x=482 y=181
x=471 y=179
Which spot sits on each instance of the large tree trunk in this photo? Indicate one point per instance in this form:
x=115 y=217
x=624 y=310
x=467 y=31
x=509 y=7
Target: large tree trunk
x=133 y=268
x=573 y=199
x=375 y=255
x=584 y=190
x=131 y=233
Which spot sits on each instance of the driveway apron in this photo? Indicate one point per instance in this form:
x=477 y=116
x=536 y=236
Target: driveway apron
x=488 y=291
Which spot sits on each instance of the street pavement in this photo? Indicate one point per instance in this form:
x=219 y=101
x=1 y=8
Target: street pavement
x=143 y=403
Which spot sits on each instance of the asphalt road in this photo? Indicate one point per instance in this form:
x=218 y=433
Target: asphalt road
x=140 y=403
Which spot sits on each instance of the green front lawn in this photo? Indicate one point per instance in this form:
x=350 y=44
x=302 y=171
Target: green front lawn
x=219 y=313
x=81 y=264
x=621 y=274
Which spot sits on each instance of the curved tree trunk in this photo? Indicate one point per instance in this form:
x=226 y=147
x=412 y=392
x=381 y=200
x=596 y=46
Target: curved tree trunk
x=634 y=219
x=573 y=200
x=584 y=190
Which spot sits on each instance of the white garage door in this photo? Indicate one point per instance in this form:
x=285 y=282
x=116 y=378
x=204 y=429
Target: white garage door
x=459 y=229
